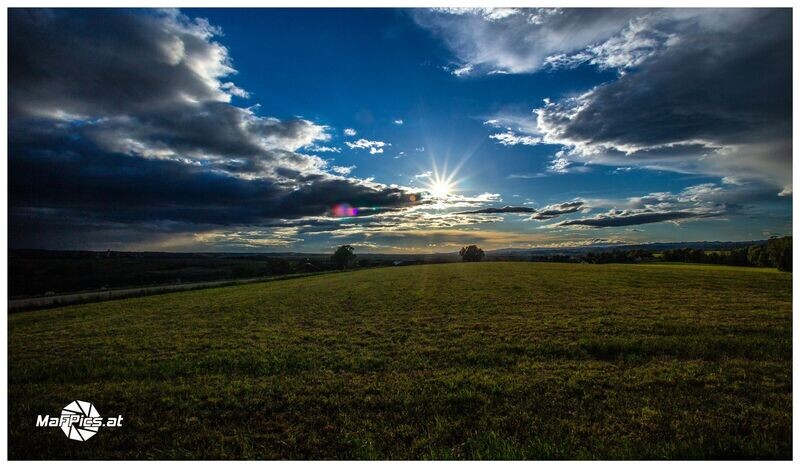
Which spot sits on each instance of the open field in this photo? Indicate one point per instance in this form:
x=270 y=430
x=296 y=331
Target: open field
x=486 y=360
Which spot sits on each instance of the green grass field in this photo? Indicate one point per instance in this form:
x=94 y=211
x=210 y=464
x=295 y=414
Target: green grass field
x=455 y=361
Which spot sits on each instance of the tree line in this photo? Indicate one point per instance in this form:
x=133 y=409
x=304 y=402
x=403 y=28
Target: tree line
x=774 y=253
x=607 y=256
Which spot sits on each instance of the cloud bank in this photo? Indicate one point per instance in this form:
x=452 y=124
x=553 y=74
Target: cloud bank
x=697 y=91
x=548 y=212
x=124 y=123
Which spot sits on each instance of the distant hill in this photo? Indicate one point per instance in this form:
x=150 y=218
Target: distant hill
x=654 y=247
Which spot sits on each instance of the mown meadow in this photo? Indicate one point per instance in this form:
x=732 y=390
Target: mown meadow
x=452 y=361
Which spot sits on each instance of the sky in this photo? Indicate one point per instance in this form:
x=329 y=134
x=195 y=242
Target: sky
x=397 y=130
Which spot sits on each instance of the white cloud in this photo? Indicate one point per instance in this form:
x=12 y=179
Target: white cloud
x=343 y=170
x=489 y=14
x=398 y=121
x=462 y=70
x=374 y=147
x=635 y=44
x=531 y=15
x=511 y=139
x=518 y=40
x=234 y=90
x=324 y=149
x=541 y=15
x=350 y=132
x=559 y=165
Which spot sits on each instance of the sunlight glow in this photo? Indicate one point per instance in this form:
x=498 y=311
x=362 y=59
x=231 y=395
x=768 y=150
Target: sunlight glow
x=441 y=186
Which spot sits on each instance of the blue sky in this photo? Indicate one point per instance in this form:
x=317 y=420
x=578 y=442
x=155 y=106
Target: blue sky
x=594 y=127
x=365 y=69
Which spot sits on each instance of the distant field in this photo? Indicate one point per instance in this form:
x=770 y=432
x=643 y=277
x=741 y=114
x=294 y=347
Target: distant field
x=454 y=361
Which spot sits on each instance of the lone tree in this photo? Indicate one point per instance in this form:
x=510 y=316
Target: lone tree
x=471 y=253
x=344 y=256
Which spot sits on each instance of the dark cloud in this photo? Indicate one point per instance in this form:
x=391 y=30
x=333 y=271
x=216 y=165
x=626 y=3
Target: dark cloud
x=79 y=182
x=505 y=209
x=740 y=72
x=554 y=211
x=716 y=99
x=210 y=131
x=108 y=62
x=148 y=84
x=548 y=212
x=708 y=200
x=632 y=218
x=121 y=127
x=705 y=91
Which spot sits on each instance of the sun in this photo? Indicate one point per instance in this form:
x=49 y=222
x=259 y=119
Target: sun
x=440 y=188
x=441 y=185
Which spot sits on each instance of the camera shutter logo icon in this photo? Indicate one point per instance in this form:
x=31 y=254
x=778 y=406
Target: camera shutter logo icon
x=73 y=420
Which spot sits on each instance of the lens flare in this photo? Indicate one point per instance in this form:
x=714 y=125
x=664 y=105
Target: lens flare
x=343 y=210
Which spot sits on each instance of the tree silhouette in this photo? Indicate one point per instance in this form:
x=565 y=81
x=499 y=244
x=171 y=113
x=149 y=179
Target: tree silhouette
x=344 y=256
x=471 y=253
x=779 y=251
